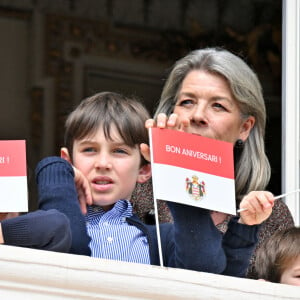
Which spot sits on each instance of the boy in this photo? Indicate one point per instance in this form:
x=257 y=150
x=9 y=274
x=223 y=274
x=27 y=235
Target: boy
x=278 y=260
x=103 y=137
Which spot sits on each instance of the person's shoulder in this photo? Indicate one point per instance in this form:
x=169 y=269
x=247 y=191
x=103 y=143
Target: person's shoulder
x=281 y=209
x=51 y=161
x=280 y=218
x=165 y=228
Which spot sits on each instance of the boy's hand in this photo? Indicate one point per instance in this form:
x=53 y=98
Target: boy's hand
x=8 y=215
x=5 y=216
x=258 y=207
x=83 y=190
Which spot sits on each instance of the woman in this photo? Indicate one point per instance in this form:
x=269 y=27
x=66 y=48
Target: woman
x=214 y=93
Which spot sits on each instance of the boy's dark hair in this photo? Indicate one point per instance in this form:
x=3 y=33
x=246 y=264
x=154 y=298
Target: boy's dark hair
x=275 y=255
x=105 y=109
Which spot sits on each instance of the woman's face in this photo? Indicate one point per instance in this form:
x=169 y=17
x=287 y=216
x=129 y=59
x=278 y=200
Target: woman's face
x=206 y=100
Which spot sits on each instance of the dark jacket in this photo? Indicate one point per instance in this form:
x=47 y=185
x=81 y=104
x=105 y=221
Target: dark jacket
x=191 y=242
x=45 y=230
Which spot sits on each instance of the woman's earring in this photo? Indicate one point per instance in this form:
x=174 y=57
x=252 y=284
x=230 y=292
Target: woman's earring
x=239 y=144
x=237 y=150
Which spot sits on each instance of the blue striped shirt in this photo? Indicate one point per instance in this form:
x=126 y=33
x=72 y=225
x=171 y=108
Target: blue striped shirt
x=113 y=238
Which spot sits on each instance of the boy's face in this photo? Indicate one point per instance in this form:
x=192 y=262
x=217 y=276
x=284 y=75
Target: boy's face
x=291 y=275
x=111 y=167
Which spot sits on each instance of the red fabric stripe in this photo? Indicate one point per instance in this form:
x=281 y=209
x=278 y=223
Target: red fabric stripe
x=13 y=158
x=193 y=152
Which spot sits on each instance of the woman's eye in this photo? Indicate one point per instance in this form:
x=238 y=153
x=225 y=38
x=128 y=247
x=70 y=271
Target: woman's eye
x=219 y=106
x=185 y=102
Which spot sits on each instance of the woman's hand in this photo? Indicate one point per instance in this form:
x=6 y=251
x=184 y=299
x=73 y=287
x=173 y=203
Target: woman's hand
x=257 y=207
x=171 y=122
x=83 y=190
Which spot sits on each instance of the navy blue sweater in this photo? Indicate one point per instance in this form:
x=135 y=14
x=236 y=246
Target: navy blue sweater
x=44 y=230
x=191 y=242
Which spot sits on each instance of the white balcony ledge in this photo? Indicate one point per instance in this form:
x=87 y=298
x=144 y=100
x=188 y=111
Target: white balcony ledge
x=35 y=274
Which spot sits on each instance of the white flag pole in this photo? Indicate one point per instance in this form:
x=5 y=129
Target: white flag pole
x=155 y=206
x=276 y=197
x=158 y=233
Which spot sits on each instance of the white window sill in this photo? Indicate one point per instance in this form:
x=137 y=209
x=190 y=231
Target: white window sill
x=35 y=274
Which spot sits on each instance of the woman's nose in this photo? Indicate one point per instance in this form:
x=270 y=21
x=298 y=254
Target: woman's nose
x=199 y=114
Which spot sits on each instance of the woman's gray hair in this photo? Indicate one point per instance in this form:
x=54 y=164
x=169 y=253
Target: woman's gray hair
x=252 y=168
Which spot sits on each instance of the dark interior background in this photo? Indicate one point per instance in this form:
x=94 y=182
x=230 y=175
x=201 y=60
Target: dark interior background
x=69 y=49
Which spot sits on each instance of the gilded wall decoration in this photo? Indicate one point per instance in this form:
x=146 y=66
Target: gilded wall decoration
x=260 y=46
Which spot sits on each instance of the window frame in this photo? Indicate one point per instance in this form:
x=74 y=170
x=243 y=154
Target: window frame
x=290 y=104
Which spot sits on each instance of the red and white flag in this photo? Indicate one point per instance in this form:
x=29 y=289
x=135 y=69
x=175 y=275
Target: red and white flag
x=192 y=169
x=13 y=176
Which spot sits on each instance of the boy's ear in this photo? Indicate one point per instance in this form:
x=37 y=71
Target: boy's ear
x=144 y=173
x=64 y=153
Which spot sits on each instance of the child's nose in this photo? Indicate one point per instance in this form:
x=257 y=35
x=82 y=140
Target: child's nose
x=103 y=161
